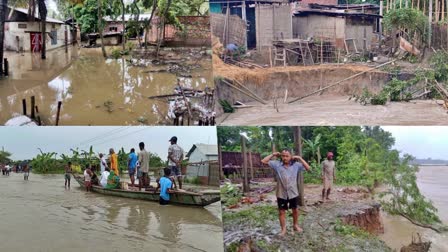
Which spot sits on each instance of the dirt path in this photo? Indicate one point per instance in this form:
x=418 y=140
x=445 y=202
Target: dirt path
x=338 y=110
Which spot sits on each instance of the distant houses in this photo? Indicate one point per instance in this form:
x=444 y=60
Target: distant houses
x=21 y=34
x=203 y=163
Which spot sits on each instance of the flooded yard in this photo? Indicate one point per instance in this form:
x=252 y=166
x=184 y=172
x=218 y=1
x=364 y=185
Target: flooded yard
x=95 y=91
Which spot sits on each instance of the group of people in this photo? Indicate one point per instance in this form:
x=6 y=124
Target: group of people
x=286 y=168
x=138 y=166
x=5 y=169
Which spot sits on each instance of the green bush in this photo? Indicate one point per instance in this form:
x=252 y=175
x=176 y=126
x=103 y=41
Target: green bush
x=116 y=53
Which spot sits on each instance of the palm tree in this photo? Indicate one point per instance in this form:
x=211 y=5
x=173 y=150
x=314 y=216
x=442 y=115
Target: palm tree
x=314 y=147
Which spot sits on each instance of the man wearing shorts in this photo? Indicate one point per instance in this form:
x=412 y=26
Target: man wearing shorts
x=328 y=175
x=287 y=191
x=175 y=157
x=68 y=172
x=143 y=159
x=132 y=165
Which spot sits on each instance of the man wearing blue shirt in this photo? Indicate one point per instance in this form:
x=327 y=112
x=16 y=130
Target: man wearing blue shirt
x=287 y=190
x=166 y=185
x=132 y=164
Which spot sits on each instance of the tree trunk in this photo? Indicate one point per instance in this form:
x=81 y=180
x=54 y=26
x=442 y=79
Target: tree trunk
x=100 y=27
x=3 y=8
x=298 y=151
x=123 y=22
x=162 y=28
x=246 y=188
x=430 y=24
x=43 y=18
x=136 y=19
x=153 y=11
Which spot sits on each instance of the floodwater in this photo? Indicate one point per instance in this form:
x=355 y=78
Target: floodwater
x=338 y=111
x=431 y=181
x=40 y=215
x=94 y=91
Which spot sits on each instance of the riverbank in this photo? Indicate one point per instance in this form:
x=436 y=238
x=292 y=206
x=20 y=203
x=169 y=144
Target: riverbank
x=254 y=220
x=40 y=209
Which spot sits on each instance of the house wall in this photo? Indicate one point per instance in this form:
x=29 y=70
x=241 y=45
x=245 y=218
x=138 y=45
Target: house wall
x=199 y=170
x=12 y=30
x=237 y=28
x=355 y=29
x=113 y=24
x=272 y=22
x=320 y=26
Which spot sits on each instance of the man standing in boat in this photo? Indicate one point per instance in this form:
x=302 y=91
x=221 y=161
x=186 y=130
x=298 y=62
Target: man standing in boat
x=287 y=170
x=103 y=163
x=132 y=165
x=143 y=160
x=114 y=161
x=68 y=172
x=175 y=157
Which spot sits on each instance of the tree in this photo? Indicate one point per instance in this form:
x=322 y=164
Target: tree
x=160 y=37
x=100 y=27
x=5 y=157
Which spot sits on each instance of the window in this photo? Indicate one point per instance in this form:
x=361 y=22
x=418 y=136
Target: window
x=53 y=26
x=54 y=37
x=22 y=26
x=113 y=29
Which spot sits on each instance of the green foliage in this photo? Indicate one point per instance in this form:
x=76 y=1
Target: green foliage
x=439 y=64
x=349 y=230
x=256 y=216
x=46 y=163
x=193 y=180
x=226 y=106
x=230 y=194
x=410 y=19
x=404 y=197
x=5 y=157
x=116 y=53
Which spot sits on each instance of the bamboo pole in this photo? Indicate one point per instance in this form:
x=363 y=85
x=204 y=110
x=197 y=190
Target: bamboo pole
x=246 y=188
x=341 y=81
x=298 y=151
x=244 y=92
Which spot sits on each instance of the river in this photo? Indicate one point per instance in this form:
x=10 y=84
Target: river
x=95 y=91
x=432 y=182
x=40 y=215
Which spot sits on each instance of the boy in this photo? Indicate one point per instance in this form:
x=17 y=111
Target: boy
x=88 y=178
x=166 y=185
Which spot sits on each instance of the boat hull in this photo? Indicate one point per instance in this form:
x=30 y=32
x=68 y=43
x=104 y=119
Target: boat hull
x=177 y=198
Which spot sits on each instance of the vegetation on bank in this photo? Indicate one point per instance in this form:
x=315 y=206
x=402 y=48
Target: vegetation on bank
x=364 y=156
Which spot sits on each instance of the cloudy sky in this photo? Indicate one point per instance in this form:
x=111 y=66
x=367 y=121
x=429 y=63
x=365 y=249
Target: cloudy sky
x=23 y=142
x=421 y=141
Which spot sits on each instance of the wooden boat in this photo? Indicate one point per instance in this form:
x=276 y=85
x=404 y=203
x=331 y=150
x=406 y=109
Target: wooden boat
x=178 y=198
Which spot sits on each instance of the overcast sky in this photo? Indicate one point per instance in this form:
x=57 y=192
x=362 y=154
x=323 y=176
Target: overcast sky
x=421 y=141
x=23 y=142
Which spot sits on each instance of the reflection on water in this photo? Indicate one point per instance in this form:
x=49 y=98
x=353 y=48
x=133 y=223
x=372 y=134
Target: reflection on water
x=431 y=181
x=94 y=91
x=39 y=215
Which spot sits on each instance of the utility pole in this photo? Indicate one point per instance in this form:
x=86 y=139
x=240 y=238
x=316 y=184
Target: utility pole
x=298 y=151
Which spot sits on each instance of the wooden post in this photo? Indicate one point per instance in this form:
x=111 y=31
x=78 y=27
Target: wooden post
x=39 y=122
x=221 y=171
x=24 y=106
x=245 y=179
x=33 y=104
x=66 y=39
x=298 y=151
x=58 y=112
x=6 y=63
x=250 y=165
x=380 y=28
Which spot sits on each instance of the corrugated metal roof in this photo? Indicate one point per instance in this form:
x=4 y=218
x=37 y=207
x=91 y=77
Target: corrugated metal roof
x=49 y=19
x=206 y=149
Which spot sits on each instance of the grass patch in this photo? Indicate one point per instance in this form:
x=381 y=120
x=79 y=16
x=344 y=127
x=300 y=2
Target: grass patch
x=257 y=216
x=349 y=230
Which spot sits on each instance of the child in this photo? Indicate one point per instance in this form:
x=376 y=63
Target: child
x=88 y=178
x=166 y=185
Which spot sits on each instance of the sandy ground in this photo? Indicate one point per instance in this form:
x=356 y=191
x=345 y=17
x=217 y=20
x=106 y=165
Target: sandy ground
x=332 y=110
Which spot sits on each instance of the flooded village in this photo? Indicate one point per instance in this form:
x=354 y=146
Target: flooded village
x=356 y=64
x=148 y=75
x=118 y=215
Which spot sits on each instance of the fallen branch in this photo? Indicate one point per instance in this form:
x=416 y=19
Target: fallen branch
x=420 y=224
x=343 y=80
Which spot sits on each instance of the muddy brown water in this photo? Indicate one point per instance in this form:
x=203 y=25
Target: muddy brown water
x=40 y=215
x=431 y=180
x=94 y=91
